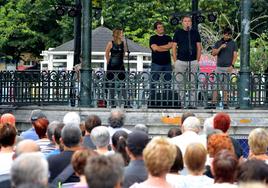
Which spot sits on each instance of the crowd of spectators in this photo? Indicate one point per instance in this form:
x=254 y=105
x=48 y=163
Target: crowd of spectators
x=73 y=154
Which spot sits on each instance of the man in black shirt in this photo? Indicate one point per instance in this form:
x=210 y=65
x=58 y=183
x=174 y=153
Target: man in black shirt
x=186 y=53
x=160 y=45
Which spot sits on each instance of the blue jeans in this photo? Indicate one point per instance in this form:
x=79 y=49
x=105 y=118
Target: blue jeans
x=157 y=72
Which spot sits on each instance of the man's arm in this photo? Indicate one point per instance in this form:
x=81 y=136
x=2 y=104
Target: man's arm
x=234 y=57
x=216 y=51
x=174 y=51
x=162 y=48
x=199 y=50
x=107 y=51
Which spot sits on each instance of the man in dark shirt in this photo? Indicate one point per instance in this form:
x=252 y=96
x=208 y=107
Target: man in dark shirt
x=186 y=53
x=226 y=52
x=160 y=44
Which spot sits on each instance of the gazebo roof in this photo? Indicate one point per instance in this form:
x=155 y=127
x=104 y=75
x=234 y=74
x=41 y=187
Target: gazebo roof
x=100 y=37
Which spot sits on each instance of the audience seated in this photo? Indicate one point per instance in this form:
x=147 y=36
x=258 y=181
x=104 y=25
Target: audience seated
x=190 y=130
x=258 y=143
x=159 y=156
x=104 y=171
x=141 y=127
x=216 y=143
x=29 y=168
x=174 y=177
x=56 y=139
x=72 y=118
x=119 y=144
x=253 y=171
x=116 y=121
x=30 y=133
x=71 y=138
x=91 y=122
x=7 y=139
x=136 y=170
x=26 y=146
x=43 y=142
x=222 y=121
x=79 y=161
x=195 y=158
x=174 y=131
x=224 y=168
x=101 y=138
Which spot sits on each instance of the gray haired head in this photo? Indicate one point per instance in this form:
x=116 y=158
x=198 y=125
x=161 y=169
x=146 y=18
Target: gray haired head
x=100 y=136
x=71 y=135
x=208 y=127
x=72 y=118
x=141 y=127
x=117 y=118
x=51 y=128
x=29 y=167
x=191 y=124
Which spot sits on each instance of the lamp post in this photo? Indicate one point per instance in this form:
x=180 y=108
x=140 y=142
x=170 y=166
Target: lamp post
x=194 y=14
x=77 y=32
x=86 y=71
x=244 y=81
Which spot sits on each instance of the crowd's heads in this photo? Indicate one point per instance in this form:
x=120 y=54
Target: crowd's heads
x=26 y=146
x=100 y=136
x=178 y=163
x=224 y=167
x=72 y=118
x=136 y=142
x=218 y=142
x=29 y=168
x=37 y=114
x=7 y=135
x=8 y=119
x=119 y=140
x=174 y=131
x=191 y=124
x=195 y=158
x=208 y=126
x=57 y=133
x=159 y=156
x=40 y=125
x=51 y=129
x=91 y=122
x=117 y=118
x=185 y=115
x=141 y=127
x=104 y=171
x=222 y=121
x=258 y=141
x=79 y=160
x=253 y=170
x=71 y=136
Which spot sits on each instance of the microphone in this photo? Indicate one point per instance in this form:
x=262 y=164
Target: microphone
x=188 y=28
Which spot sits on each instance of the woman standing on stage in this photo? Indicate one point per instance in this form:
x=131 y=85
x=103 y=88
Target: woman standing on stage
x=114 y=53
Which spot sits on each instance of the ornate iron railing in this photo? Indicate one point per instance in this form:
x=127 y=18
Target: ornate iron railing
x=130 y=89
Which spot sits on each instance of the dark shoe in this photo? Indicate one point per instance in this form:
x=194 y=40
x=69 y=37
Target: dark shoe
x=190 y=107
x=211 y=106
x=225 y=106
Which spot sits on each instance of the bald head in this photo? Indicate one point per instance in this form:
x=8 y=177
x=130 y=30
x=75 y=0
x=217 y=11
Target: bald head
x=26 y=146
x=117 y=118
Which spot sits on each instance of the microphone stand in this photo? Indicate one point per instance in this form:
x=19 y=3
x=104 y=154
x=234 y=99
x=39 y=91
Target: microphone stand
x=128 y=53
x=189 y=63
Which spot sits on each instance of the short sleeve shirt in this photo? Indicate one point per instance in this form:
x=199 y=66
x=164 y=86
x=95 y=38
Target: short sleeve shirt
x=160 y=58
x=186 y=51
x=225 y=56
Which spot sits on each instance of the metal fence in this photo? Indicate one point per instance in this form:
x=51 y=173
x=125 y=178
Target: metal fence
x=131 y=89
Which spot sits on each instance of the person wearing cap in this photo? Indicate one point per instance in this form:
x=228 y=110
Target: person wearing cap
x=136 y=170
x=31 y=133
